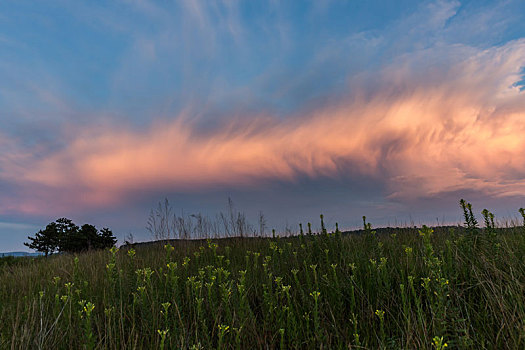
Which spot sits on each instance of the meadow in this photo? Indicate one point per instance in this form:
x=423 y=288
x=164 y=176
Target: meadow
x=414 y=288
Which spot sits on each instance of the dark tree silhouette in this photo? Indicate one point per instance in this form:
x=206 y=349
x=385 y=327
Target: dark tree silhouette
x=107 y=239
x=64 y=236
x=46 y=240
x=68 y=236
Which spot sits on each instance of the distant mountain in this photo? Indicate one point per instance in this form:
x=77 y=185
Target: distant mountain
x=19 y=254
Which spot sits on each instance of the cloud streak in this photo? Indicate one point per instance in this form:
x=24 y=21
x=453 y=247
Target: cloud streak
x=437 y=120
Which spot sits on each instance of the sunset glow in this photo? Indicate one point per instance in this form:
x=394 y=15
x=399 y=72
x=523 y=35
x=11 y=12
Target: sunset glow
x=425 y=117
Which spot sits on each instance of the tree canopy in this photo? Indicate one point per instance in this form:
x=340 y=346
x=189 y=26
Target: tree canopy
x=64 y=236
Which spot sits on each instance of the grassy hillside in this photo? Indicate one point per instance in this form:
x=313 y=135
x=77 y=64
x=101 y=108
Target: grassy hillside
x=403 y=289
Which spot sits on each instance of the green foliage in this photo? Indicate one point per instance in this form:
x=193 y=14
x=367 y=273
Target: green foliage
x=64 y=236
x=13 y=260
x=490 y=226
x=430 y=288
x=470 y=219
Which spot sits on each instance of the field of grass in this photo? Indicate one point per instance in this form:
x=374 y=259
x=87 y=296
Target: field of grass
x=405 y=289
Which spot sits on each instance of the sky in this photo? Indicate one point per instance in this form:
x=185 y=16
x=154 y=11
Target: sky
x=393 y=110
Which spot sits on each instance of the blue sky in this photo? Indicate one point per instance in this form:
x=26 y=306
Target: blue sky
x=393 y=110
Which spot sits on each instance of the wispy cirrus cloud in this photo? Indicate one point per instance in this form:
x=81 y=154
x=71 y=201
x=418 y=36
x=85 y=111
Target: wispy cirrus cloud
x=443 y=119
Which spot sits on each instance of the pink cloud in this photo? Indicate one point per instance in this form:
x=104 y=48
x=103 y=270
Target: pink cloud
x=426 y=130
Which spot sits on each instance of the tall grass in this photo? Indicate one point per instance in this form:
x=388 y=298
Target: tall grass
x=404 y=289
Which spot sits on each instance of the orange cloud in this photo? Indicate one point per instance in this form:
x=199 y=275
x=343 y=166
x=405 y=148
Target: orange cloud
x=424 y=132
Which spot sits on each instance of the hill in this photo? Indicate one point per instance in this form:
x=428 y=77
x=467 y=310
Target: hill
x=19 y=254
